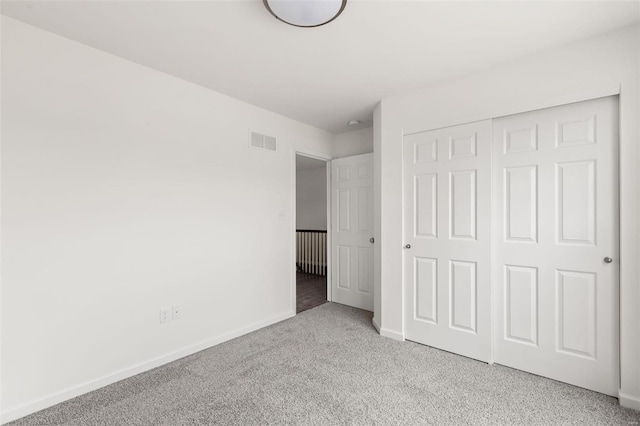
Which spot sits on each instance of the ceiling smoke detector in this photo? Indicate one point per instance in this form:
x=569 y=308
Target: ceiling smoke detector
x=305 y=13
x=354 y=122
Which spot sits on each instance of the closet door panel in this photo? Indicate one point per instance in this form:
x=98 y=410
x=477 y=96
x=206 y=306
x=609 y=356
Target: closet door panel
x=556 y=221
x=447 y=188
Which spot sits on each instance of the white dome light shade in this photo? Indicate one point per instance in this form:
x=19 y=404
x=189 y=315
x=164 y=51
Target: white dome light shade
x=305 y=13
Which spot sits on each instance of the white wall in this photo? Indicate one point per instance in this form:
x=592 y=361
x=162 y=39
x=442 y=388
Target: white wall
x=311 y=199
x=597 y=67
x=355 y=142
x=125 y=190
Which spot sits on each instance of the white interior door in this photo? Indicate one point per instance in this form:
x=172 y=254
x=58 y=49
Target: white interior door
x=447 y=187
x=352 y=231
x=556 y=212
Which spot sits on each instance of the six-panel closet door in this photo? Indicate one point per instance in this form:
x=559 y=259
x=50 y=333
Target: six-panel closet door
x=556 y=243
x=447 y=221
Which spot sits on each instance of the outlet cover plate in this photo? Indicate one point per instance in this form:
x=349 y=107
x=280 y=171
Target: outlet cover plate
x=177 y=312
x=165 y=314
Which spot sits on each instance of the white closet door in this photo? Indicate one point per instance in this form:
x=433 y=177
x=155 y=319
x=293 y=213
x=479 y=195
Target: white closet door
x=447 y=188
x=352 y=229
x=556 y=223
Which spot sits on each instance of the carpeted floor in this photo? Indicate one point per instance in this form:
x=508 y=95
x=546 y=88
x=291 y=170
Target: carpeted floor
x=311 y=291
x=328 y=366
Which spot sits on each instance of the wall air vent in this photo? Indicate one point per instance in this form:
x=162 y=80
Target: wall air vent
x=258 y=140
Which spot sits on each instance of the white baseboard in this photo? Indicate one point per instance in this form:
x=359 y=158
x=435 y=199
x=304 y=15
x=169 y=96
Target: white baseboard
x=385 y=332
x=56 y=398
x=374 y=321
x=629 y=401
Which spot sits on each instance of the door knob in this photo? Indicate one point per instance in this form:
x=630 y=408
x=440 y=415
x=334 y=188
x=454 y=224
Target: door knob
x=408 y=246
x=371 y=240
x=608 y=260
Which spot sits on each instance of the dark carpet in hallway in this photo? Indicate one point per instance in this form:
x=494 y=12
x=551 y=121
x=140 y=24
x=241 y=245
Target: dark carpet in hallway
x=311 y=291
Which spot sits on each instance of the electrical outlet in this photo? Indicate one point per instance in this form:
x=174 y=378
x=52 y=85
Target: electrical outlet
x=165 y=314
x=177 y=312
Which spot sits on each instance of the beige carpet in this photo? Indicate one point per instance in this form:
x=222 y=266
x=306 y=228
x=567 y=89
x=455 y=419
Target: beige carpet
x=328 y=366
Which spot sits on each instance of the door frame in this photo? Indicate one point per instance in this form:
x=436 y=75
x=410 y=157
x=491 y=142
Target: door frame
x=327 y=159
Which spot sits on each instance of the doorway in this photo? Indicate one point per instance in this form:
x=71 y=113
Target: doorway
x=311 y=256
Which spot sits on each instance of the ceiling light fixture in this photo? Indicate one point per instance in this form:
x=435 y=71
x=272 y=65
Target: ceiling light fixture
x=305 y=13
x=354 y=122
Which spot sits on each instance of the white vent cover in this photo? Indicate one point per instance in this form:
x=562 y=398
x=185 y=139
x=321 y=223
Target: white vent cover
x=258 y=140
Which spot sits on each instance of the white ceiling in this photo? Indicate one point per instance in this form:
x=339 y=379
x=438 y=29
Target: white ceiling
x=329 y=75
